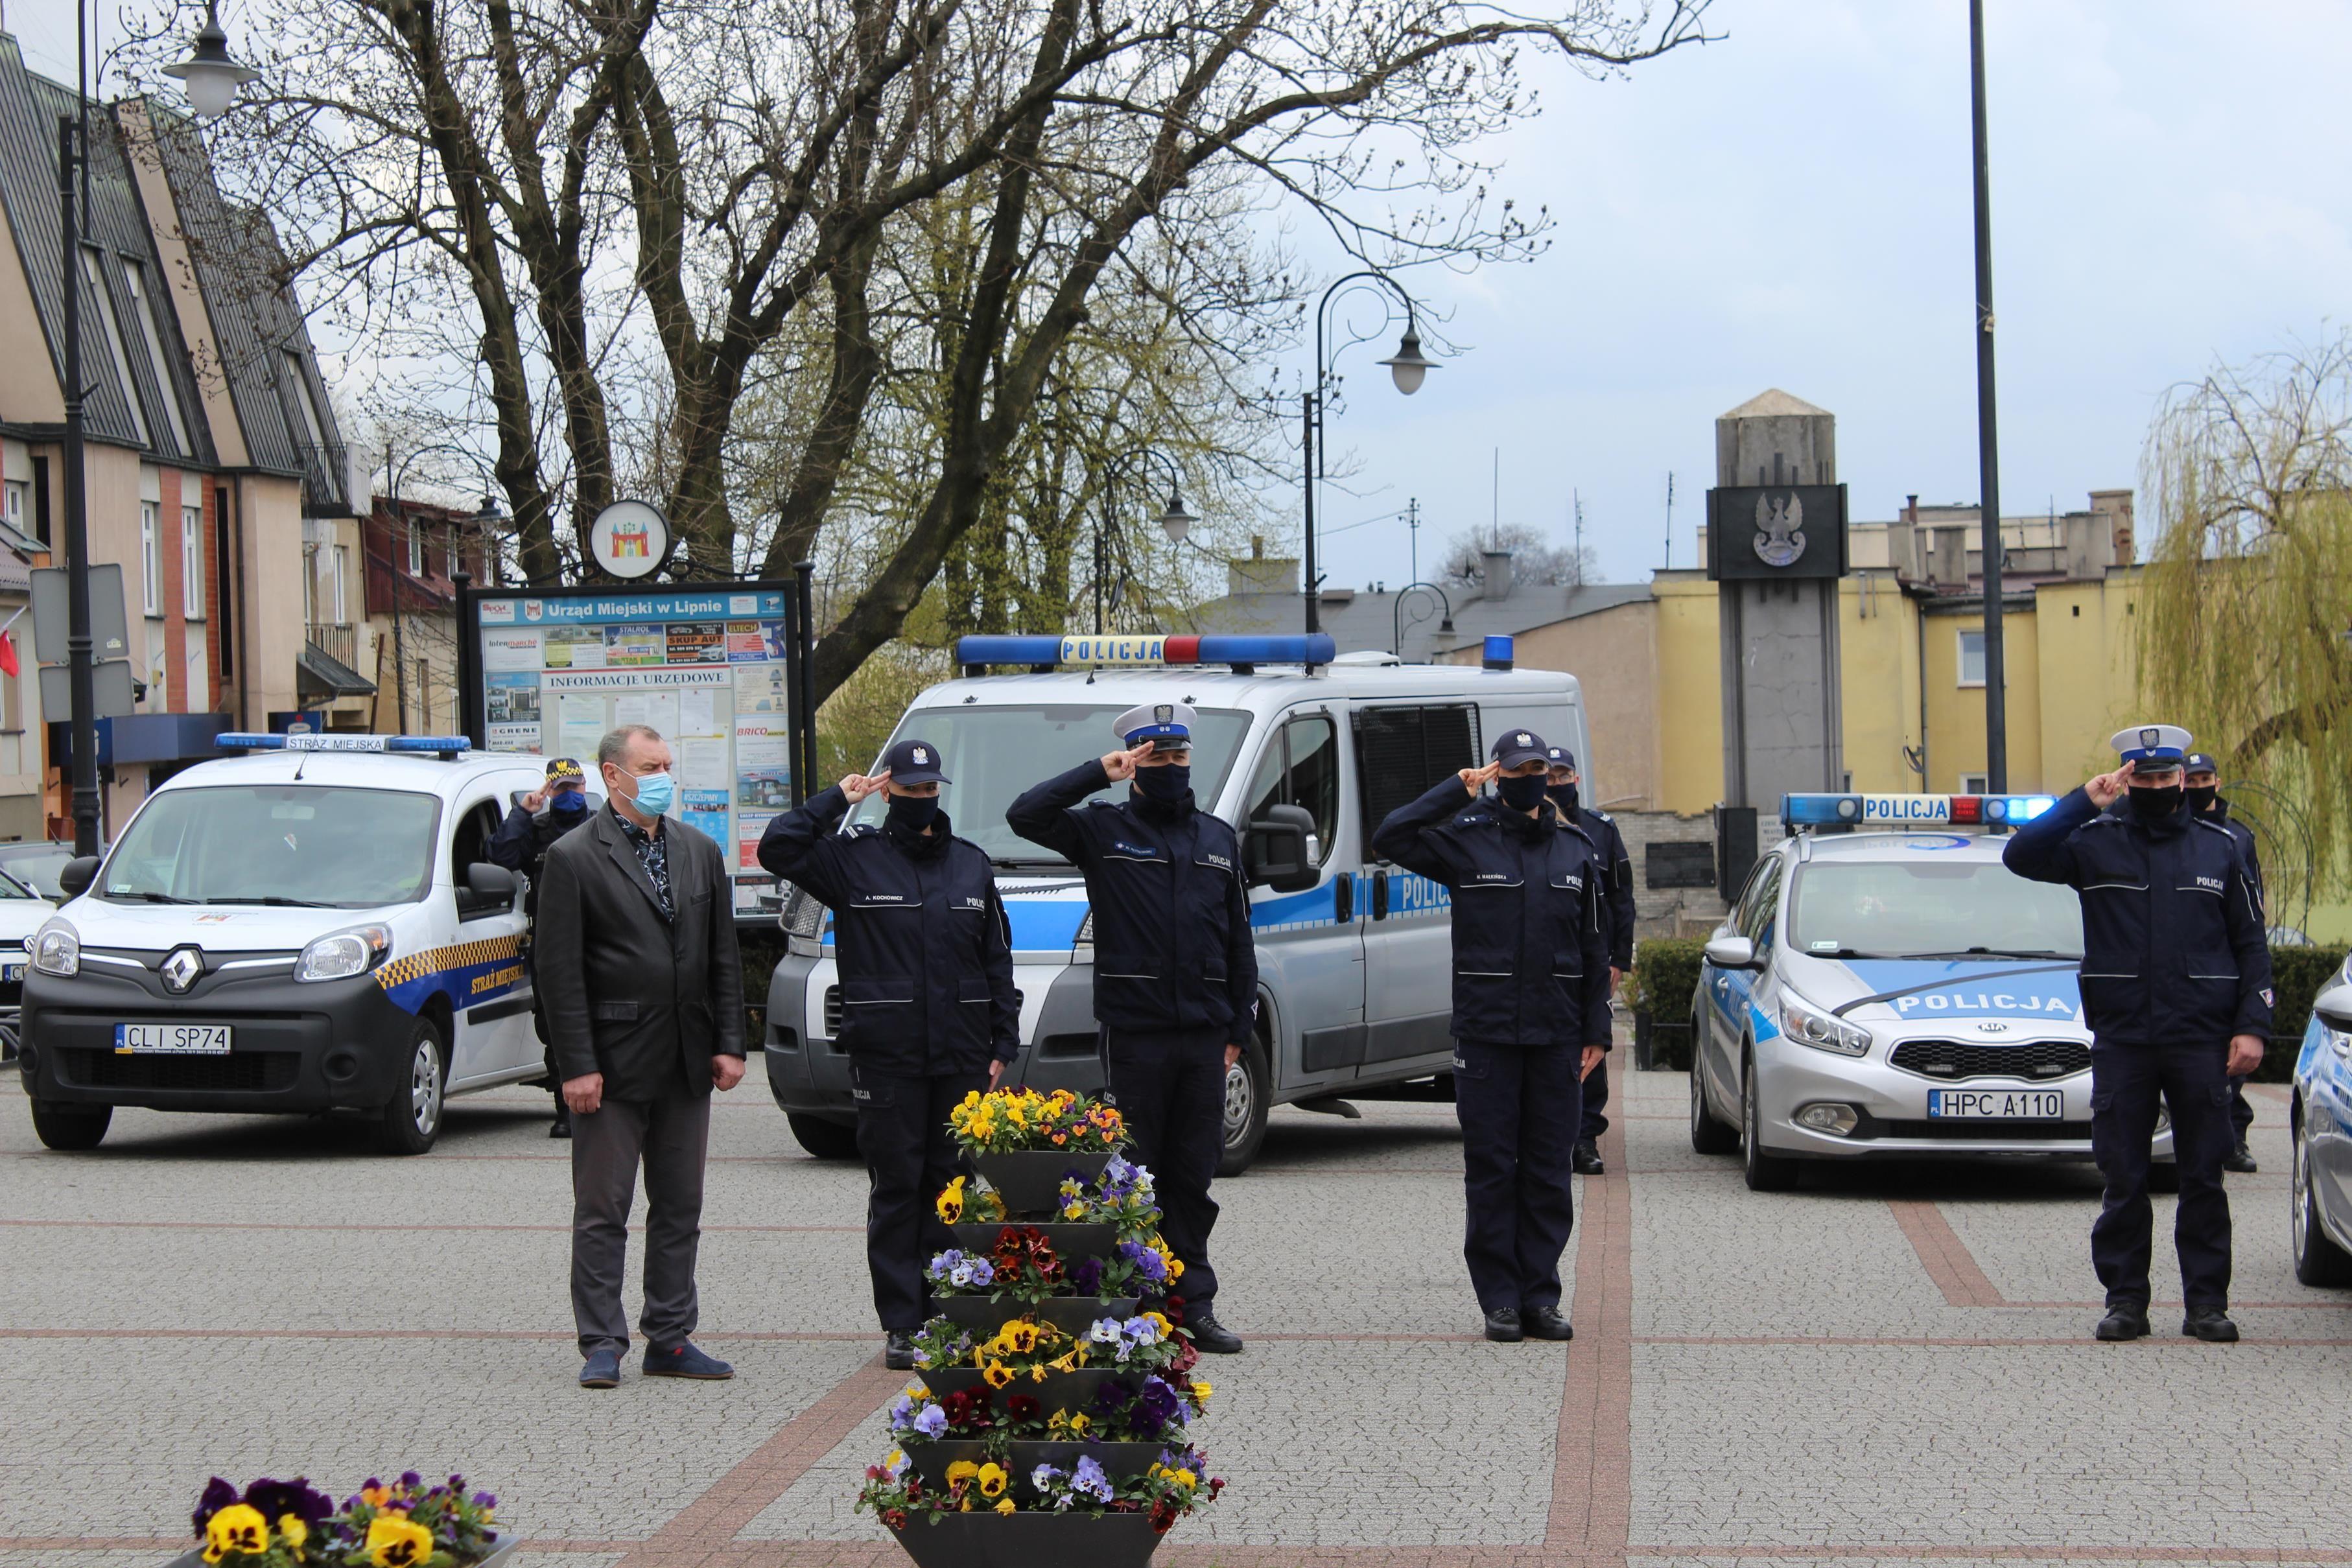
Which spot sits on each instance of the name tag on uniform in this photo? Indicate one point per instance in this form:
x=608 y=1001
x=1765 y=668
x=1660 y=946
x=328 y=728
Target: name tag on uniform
x=1494 y=876
x=1123 y=847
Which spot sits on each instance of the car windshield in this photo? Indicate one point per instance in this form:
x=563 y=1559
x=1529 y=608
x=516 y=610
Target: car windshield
x=1944 y=909
x=992 y=754
x=36 y=866
x=275 y=843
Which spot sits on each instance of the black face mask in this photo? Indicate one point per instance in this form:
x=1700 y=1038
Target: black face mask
x=571 y=803
x=914 y=813
x=1522 y=792
x=1164 y=785
x=2155 y=805
x=2201 y=799
x=1562 y=796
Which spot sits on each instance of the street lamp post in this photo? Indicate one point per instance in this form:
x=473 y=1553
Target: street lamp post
x=1174 y=520
x=212 y=78
x=1407 y=368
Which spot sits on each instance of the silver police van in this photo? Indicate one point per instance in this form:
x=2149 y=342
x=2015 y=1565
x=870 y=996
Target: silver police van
x=1305 y=753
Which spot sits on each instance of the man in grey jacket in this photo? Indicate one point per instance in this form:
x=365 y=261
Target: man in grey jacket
x=636 y=957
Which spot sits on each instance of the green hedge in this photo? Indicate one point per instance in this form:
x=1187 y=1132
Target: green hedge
x=1666 y=974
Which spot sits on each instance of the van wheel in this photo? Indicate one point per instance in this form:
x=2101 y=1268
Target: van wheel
x=1709 y=1135
x=70 y=1127
x=1764 y=1172
x=412 y=1117
x=1249 y=1091
x=825 y=1140
x=2317 y=1259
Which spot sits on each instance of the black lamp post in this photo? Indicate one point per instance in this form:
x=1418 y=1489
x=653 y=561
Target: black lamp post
x=212 y=78
x=1407 y=368
x=1174 y=519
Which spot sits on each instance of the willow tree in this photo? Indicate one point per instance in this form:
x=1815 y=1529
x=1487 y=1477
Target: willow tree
x=2247 y=598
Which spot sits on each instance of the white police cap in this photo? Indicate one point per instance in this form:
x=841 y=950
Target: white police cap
x=2164 y=743
x=1168 y=723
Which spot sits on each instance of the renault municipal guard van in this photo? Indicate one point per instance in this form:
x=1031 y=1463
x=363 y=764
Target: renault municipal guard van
x=312 y=927
x=1305 y=753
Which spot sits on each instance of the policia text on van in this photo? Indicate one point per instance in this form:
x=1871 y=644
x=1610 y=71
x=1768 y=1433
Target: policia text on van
x=1305 y=754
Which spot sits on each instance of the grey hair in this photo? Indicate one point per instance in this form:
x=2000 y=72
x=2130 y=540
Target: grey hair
x=615 y=744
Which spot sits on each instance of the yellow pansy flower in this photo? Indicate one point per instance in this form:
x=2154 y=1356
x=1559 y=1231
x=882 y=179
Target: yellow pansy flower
x=1004 y=1507
x=962 y=1471
x=996 y=1374
x=950 y=1204
x=236 y=1528
x=1074 y=1210
x=1185 y=1477
x=1201 y=1391
x=1161 y=1323
x=993 y=1479
x=294 y=1532
x=395 y=1541
x=1081 y=1421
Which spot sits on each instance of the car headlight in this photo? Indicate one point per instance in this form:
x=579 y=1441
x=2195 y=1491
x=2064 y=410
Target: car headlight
x=339 y=954
x=1808 y=1025
x=57 y=950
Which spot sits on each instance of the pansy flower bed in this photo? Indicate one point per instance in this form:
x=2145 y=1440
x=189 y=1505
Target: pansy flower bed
x=404 y=1524
x=1013 y=1121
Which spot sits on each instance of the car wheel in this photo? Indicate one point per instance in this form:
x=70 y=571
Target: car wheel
x=2317 y=1259
x=1708 y=1134
x=1764 y=1172
x=1248 y=1096
x=70 y=1127
x=412 y=1117
x=825 y=1139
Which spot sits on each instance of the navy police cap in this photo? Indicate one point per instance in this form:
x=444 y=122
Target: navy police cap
x=1514 y=747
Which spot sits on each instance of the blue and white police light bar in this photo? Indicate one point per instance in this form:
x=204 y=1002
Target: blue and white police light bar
x=1146 y=648
x=1908 y=810
x=243 y=740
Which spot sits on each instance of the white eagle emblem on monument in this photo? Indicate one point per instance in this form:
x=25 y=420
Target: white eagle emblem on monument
x=1779 y=541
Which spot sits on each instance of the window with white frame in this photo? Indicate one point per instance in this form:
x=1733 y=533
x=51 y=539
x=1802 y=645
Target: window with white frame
x=415 y=548
x=94 y=270
x=143 y=307
x=12 y=504
x=151 y=561
x=192 y=562
x=1972 y=658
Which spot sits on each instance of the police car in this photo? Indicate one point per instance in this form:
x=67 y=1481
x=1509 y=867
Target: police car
x=2320 y=1116
x=22 y=911
x=1306 y=753
x=311 y=927
x=1893 y=991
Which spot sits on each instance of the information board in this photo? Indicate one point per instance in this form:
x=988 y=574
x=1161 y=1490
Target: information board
x=708 y=667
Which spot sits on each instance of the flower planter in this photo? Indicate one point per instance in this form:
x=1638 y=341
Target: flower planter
x=500 y=1556
x=1118 y=1458
x=1058 y=1390
x=1068 y=1241
x=1030 y=1182
x=1031 y=1541
x=1071 y=1314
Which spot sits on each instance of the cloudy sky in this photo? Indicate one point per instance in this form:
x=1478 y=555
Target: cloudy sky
x=1790 y=206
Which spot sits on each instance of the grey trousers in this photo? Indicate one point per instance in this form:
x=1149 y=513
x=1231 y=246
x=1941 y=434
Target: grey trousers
x=670 y=1137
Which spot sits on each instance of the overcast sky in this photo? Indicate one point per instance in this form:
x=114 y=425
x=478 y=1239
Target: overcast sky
x=1790 y=207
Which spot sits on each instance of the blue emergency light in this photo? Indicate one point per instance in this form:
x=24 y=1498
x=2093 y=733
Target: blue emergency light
x=440 y=744
x=1145 y=649
x=1910 y=810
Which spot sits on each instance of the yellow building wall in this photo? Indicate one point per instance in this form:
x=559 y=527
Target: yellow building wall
x=1690 y=693
x=2090 y=675
x=1878 y=673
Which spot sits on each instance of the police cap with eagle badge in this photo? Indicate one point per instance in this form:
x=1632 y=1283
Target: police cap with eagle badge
x=914 y=762
x=1168 y=725
x=1514 y=747
x=2151 y=747
x=1562 y=756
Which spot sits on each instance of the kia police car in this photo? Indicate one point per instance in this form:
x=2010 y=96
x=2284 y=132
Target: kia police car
x=314 y=927
x=1893 y=991
x=2320 y=1115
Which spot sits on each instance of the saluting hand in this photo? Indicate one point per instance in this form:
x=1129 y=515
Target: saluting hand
x=1476 y=778
x=857 y=786
x=2108 y=788
x=1120 y=765
x=534 y=800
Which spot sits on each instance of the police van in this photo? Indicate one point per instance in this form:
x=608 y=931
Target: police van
x=313 y=926
x=1305 y=753
x=1894 y=992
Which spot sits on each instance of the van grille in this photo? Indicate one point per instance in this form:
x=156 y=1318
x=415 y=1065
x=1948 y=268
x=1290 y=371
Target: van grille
x=1951 y=1061
x=239 y=1071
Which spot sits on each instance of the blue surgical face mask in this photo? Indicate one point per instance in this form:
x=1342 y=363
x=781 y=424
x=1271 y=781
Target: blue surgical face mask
x=1166 y=784
x=569 y=803
x=655 y=792
x=1521 y=791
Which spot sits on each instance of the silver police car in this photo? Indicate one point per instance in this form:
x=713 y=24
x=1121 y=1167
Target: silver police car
x=1890 y=989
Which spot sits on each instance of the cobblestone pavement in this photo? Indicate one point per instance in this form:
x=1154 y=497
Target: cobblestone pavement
x=1889 y=1365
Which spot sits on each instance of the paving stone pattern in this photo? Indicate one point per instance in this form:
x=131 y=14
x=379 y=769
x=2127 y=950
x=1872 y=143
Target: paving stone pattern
x=1888 y=1366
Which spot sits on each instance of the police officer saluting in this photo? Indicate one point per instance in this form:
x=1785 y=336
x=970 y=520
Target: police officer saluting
x=2176 y=991
x=1617 y=903
x=1175 y=969
x=2201 y=782
x=1530 y=1015
x=521 y=844
x=928 y=1010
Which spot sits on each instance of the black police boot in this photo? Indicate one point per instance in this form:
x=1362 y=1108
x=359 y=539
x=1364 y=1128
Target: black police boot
x=1209 y=1334
x=1503 y=1327
x=2239 y=1159
x=1546 y=1323
x=2211 y=1324
x=898 y=1350
x=1586 y=1160
x=2123 y=1320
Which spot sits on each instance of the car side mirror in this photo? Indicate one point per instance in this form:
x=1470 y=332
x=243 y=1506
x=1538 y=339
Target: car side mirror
x=1732 y=953
x=2334 y=1009
x=1278 y=849
x=76 y=875
x=489 y=889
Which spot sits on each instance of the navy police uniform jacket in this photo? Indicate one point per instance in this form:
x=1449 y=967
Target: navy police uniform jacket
x=2245 y=837
x=1172 y=946
x=521 y=843
x=2173 y=947
x=1530 y=943
x=1616 y=880
x=918 y=934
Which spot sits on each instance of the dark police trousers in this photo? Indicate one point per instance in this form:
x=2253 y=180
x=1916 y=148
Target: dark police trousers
x=910 y=1155
x=1519 y=1106
x=1170 y=1090
x=670 y=1135
x=2125 y=1081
